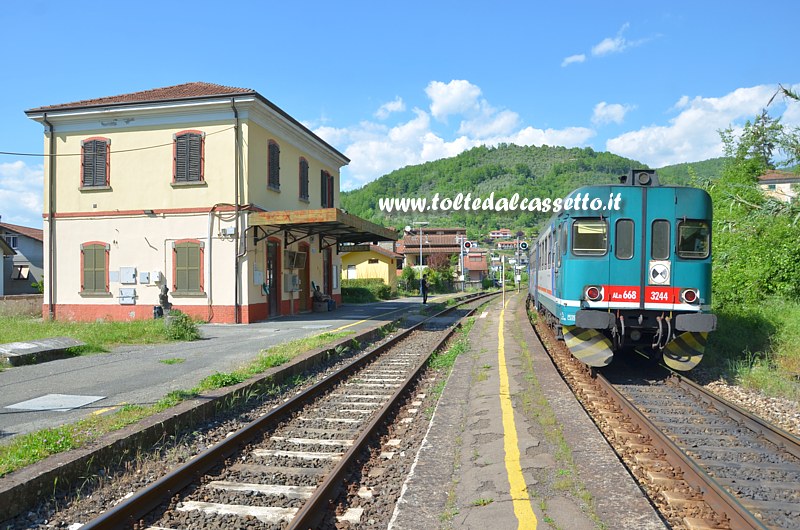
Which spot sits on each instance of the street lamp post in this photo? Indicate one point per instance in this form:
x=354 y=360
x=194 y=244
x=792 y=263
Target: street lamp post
x=419 y=264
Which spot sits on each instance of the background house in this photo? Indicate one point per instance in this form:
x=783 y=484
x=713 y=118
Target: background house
x=24 y=267
x=446 y=241
x=781 y=185
x=210 y=192
x=371 y=261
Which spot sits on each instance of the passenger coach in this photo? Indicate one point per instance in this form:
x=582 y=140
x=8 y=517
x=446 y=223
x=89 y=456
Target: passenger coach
x=636 y=277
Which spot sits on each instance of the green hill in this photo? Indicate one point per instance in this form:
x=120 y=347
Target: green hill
x=506 y=169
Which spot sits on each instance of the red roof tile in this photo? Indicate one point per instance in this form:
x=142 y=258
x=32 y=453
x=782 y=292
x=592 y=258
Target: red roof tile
x=184 y=91
x=33 y=233
x=779 y=177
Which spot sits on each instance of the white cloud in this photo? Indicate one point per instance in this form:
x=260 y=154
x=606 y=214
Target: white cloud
x=376 y=149
x=616 y=44
x=21 y=188
x=388 y=108
x=578 y=58
x=693 y=134
x=456 y=97
x=610 y=112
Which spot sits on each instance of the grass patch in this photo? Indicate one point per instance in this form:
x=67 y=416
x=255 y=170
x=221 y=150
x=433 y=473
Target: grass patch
x=758 y=348
x=482 y=502
x=174 y=360
x=98 y=336
x=30 y=448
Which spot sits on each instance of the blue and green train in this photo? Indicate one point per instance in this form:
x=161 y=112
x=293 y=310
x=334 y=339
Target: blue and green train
x=627 y=267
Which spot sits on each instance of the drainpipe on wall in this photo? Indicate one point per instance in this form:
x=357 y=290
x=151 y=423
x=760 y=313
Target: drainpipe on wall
x=51 y=222
x=236 y=167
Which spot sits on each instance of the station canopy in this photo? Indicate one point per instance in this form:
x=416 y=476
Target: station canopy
x=332 y=227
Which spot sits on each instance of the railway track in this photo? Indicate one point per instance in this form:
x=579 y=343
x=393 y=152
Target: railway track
x=287 y=468
x=705 y=463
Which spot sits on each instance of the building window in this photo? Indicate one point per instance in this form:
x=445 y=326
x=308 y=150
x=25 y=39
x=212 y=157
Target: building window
x=20 y=272
x=187 y=267
x=326 y=189
x=12 y=241
x=95 y=162
x=94 y=267
x=274 y=165
x=303 y=179
x=189 y=156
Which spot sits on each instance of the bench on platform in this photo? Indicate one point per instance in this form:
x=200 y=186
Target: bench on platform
x=36 y=351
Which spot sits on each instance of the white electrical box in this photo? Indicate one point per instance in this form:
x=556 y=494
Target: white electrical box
x=127 y=296
x=127 y=275
x=157 y=276
x=144 y=277
x=228 y=231
x=291 y=282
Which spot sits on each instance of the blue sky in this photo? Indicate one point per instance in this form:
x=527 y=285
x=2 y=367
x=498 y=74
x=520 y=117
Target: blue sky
x=395 y=84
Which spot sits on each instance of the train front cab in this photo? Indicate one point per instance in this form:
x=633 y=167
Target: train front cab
x=639 y=277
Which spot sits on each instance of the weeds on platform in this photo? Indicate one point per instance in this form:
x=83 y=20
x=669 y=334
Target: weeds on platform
x=99 y=336
x=30 y=448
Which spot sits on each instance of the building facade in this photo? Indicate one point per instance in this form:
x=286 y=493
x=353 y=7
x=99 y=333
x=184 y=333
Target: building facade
x=24 y=268
x=156 y=191
x=372 y=261
x=780 y=185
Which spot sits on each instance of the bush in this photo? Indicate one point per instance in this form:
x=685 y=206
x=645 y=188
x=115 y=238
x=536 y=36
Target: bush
x=179 y=326
x=363 y=290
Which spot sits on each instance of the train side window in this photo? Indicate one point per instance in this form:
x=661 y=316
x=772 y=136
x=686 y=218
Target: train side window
x=693 y=239
x=659 y=244
x=564 y=238
x=589 y=237
x=624 y=239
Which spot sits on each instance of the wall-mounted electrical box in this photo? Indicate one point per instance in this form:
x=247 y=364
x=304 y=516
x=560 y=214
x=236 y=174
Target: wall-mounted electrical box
x=127 y=275
x=228 y=231
x=157 y=276
x=127 y=296
x=144 y=277
x=291 y=282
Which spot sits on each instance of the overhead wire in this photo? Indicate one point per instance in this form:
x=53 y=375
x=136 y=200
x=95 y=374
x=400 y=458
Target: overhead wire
x=115 y=151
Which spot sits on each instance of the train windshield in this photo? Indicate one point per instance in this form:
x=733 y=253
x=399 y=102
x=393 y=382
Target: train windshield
x=589 y=237
x=693 y=239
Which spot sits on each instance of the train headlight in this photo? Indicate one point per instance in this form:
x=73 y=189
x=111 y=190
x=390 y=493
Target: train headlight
x=593 y=293
x=636 y=335
x=690 y=296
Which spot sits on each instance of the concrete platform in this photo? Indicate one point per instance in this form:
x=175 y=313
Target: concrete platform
x=144 y=374
x=564 y=474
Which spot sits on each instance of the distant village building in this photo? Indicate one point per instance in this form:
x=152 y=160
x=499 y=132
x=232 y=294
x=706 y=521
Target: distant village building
x=22 y=267
x=502 y=233
x=780 y=185
x=445 y=241
x=476 y=266
x=506 y=245
x=208 y=192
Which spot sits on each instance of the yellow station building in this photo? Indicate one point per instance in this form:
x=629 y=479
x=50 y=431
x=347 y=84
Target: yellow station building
x=209 y=192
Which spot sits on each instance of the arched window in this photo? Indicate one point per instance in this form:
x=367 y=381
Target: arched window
x=189 y=156
x=95 y=162
x=273 y=165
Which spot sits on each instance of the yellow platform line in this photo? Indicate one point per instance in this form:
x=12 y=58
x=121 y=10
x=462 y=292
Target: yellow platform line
x=519 y=490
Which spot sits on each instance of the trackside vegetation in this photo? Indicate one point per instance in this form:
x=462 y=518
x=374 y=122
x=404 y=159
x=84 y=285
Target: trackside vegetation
x=29 y=448
x=756 y=270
